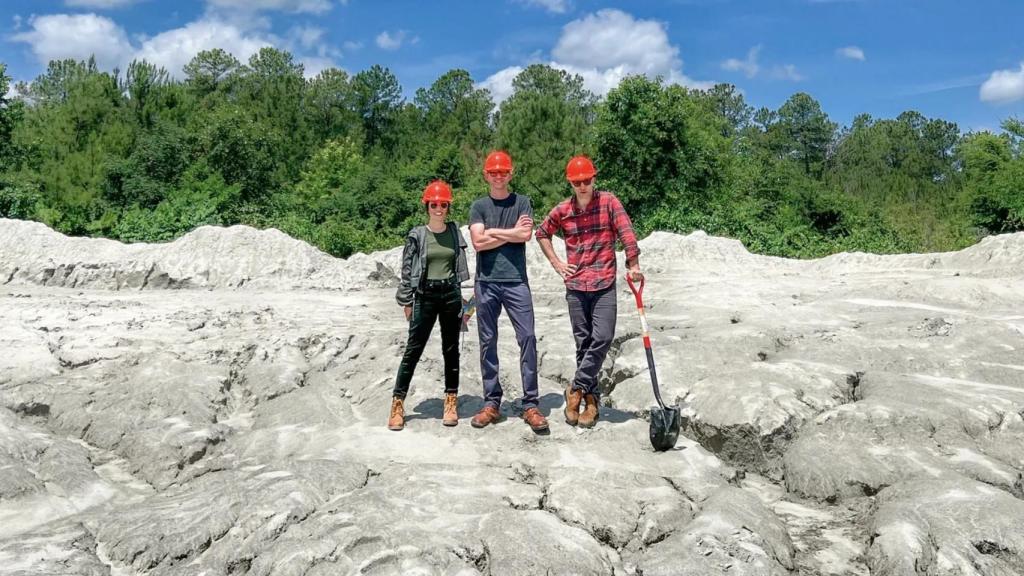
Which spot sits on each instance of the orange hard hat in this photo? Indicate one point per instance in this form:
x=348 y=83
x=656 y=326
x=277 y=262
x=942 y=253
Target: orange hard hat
x=579 y=168
x=498 y=161
x=437 y=191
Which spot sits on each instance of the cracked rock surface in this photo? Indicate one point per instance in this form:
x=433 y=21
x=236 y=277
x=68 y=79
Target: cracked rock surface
x=216 y=405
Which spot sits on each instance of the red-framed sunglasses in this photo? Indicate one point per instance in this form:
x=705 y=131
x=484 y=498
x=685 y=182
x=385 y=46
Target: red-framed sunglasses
x=498 y=173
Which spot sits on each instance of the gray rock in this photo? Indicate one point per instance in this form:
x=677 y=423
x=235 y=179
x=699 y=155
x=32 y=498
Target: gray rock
x=215 y=405
x=734 y=533
x=950 y=526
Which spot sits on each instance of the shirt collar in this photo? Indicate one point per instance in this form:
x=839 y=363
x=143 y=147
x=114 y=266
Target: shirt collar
x=574 y=205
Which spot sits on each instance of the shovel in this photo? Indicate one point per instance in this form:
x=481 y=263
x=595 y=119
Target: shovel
x=665 y=420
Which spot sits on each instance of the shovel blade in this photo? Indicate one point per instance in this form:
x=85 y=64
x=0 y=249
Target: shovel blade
x=665 y=427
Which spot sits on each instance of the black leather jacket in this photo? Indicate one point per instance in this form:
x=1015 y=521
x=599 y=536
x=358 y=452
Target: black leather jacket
x=414 y=262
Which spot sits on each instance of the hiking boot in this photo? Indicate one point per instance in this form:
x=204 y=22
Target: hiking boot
x=590 y=414
x=397 y=419
x=535 y=419
x=489 y=415
x=573 y=398
x=451 y=412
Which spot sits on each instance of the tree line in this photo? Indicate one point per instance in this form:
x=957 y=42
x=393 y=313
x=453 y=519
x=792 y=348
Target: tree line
x=339 y=160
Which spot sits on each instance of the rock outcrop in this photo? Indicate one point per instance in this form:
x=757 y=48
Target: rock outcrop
x=216 y=405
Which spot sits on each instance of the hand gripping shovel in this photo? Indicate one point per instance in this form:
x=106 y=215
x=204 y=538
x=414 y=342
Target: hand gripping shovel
x=665 y=420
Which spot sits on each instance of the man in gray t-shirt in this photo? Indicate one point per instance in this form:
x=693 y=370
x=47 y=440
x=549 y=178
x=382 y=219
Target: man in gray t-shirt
x=500 y=224
x=507 y=262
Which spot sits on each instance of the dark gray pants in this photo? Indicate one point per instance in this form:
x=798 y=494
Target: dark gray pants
x=518 y=301
x=592 y=315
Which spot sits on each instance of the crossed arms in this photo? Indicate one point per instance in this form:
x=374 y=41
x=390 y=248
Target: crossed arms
x=490 y=238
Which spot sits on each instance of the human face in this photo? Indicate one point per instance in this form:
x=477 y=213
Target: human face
x=498 y=178
x=438 y=210
x=583 y=186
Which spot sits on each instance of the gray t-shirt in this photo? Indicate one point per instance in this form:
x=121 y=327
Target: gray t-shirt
x=506 y=263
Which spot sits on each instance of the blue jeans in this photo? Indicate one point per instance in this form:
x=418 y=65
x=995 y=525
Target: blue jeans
x=518 y=301
x=592 y=315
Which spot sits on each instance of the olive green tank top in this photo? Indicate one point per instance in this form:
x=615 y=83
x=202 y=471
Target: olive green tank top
x=440 y=255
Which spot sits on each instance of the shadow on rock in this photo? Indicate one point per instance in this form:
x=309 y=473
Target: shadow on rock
x=434 y=408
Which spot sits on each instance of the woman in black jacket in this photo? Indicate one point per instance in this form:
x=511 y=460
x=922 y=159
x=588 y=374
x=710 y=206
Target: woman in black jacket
x=433 y=267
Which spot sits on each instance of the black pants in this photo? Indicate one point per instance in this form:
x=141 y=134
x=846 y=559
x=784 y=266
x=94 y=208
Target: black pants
x=592 y=315
x=440 y=302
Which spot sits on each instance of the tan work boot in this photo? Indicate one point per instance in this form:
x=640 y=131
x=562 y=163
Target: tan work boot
x=535 y=419
x=451 y=409
x=489 y=415
x=573 y=398
x=397 y=419
x=590 y=414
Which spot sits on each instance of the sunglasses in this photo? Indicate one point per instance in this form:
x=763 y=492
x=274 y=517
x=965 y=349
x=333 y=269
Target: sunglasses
x=435 y=205
x=498 y=173
x=586 y=182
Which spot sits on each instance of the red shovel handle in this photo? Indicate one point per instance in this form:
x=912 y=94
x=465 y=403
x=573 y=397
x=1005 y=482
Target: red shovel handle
x=638 y=293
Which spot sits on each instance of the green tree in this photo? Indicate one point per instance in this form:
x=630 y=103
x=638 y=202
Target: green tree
x=11 y=114
x=993 y=166
x=804 y=132
x=142 y=84
x=211 y=72
x=455 y=111
x=377 y=98
x=728 y=103
x=330 y=106
x=542 y=124
x=455 y=129
x=77 y=124
x=662 y=149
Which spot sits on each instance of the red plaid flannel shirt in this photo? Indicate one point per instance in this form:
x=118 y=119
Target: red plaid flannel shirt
x=590 y=236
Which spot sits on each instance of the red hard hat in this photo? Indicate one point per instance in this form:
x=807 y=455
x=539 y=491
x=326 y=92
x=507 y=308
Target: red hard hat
x=437 y=191
x=579 y=168
x=498 y=160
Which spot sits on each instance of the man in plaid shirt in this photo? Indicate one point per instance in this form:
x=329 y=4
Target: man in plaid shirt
x=590 y=222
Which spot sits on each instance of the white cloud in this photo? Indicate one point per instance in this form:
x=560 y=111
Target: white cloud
x=174 y=48
x=786 y=72
x=393 y=41
x=99 y=4
x=555 y=6
x=749 y=67
x=17 y=22
x=352 y=46
x=77 y=36
x=603 y=48
x=1003 y=86
x=314 y=65
x=307 y=36
x=851 y=52
x=612 y=38
x=500 y=83
x=311 y=6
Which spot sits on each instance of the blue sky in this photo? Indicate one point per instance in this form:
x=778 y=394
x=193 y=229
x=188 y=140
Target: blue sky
x=958 y=60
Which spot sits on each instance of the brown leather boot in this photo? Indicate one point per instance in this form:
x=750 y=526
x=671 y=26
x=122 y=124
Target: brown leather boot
x=590 y=414
x=489 y=415
x=573 y=398
x=451 y=409
x=535 y=419
x=397 y=419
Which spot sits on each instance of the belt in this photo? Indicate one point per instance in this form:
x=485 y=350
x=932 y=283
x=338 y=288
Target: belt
x=435 y=284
